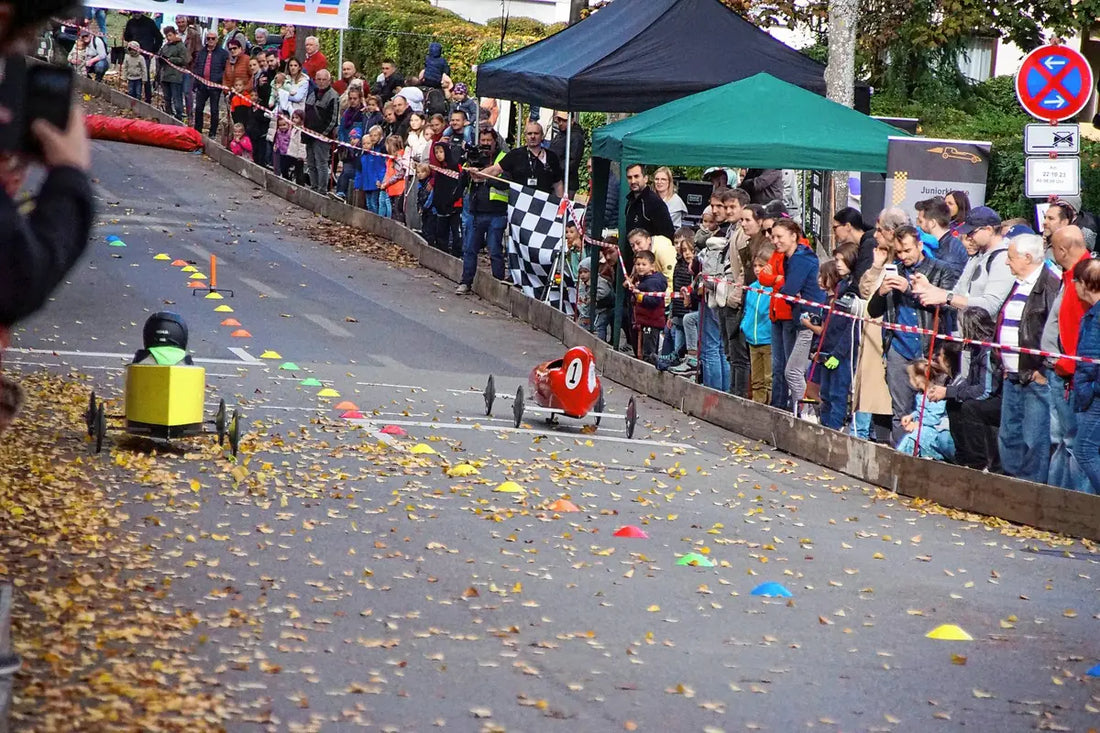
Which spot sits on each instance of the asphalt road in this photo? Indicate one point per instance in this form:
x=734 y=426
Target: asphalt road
x=342 y=580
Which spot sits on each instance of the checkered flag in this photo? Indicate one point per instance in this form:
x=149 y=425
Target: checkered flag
x=535 y=239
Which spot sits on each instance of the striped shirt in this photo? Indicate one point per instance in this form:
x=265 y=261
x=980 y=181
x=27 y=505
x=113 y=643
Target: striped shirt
x=1011 y=315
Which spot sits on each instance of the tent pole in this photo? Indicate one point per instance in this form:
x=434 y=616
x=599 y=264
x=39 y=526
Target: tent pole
x=565 y=213
x=340 y=66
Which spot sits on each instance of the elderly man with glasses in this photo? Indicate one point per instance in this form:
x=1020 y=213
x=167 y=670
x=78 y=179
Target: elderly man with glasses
x=209 y=65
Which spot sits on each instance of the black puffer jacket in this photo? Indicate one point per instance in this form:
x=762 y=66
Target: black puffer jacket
x=646 y=210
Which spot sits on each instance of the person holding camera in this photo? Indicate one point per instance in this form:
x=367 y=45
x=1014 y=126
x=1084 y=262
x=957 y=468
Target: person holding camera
x=39 y=248
x=488 y=204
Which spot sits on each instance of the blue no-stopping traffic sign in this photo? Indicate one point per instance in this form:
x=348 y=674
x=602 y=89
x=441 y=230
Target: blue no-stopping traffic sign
x=1054 y=83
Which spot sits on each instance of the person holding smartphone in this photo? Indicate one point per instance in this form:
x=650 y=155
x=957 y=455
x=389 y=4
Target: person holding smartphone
x=40 y=247
x=897 y=304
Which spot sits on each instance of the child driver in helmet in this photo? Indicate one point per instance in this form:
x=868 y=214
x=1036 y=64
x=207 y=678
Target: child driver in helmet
x=165 y=339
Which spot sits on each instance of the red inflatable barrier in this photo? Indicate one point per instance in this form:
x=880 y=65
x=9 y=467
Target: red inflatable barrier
x=143 y=132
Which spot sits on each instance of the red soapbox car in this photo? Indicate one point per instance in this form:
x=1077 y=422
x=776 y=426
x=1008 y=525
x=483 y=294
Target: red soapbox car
x=567 y=386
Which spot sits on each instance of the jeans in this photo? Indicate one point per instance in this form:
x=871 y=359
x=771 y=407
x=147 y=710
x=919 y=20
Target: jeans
x=783 y=333
x=345 y=184
x=760 y=369
x=798 y=361
x=1065 y=471
x=318 y=153
x=1024 y=437
x=99 y=15
x=173 y=99
x=442 y=232
x=902 y=394
x=712 y=362
x=674 y=334
x=835 y=386
x=484 y=230
x=861 y=425
x=934 y=443
x=99 y=69
x=691 y=331
x=372 y=200
x=189 y=95
x=204 y=93
x=133 y=87
x=602 y=326
x=1088 y=445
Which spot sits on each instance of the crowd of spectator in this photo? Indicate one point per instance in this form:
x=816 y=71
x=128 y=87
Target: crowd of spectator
x=849 y=344
x=857 y=342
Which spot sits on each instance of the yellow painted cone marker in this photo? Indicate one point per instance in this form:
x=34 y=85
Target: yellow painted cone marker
x=223 y=309
x=214 y=296
x=422 y=448
x=462 y=469
x=189 y=268
x=328 y=392
x=197 y=276
x=161 y=256
x=949 y=632
x=510 y=487
x=269 y=354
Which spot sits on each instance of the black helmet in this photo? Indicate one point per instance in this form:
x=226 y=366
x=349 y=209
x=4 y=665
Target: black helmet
x=165 y=329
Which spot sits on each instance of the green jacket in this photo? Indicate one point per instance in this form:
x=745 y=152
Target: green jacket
x=177 y=54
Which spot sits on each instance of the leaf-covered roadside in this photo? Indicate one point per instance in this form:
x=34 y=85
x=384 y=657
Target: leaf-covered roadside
x=99 y=649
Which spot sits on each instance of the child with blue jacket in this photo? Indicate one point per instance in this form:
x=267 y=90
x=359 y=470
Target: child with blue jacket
x=756 y=324
x=834 y=354
x=372 y=169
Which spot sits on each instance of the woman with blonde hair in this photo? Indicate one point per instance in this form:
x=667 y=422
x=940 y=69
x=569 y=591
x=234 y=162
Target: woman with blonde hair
x=666 y=189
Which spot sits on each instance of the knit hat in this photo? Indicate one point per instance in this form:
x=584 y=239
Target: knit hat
x=585 y=264
x=133 y=46
x=461 y=88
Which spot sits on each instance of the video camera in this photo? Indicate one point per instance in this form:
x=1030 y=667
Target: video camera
x=31 y=92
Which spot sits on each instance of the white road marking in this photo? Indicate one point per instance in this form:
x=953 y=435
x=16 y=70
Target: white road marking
x=244 y=355
x=330 y=326
x=529 y=431
x=248 y=359
x=413 y=387
x=262 y=289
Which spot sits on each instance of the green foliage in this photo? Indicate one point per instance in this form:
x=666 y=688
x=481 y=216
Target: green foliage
x=991 y=113
x=403 y=29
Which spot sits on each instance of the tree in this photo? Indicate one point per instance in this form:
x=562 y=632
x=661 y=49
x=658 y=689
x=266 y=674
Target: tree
x=902 y=44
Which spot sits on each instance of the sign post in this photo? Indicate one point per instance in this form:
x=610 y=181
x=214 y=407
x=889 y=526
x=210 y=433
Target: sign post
x=1054 y=83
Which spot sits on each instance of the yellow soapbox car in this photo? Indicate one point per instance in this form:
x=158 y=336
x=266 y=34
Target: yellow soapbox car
x=164 y=403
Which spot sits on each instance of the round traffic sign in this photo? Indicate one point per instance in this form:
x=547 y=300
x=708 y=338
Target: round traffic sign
x=1054 y=83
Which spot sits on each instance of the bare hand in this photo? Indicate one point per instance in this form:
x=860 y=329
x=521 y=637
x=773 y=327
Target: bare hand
x=879 y=257
x=68 y=148
x=931 y=295
x=907 y=422
x=936 y=393
x=896 y=282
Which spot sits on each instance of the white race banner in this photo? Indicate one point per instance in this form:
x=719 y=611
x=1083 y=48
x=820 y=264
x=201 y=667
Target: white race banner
x=318 y=13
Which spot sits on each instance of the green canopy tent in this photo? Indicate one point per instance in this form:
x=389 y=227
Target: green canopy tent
x=758 y=122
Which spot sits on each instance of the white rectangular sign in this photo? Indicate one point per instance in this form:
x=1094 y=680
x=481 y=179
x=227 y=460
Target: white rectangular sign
x=1052 y=177
x=1043 y=139
x=317 y=13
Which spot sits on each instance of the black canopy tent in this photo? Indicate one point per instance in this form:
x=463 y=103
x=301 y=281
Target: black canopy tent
x=633 y=55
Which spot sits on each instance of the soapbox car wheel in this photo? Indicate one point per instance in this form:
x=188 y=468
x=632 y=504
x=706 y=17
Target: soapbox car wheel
x=517 y=406
x=599 y=407
x=100 y=427
x=235 y=432
x=490 y=395
x=89 y=415
x=631 y=417
x=219 y=422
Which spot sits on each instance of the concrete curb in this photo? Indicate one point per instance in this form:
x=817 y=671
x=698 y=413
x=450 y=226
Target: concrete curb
x=1023 y=502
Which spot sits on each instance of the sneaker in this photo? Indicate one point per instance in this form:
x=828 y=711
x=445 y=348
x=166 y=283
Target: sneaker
x=665 y=361
x=688 y=365
x=462 y=289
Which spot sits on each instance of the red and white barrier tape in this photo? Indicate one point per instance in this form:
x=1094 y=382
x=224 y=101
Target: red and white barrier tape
x=279 y=115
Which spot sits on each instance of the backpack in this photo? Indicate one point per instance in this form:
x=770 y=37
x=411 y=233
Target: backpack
x=435 y=101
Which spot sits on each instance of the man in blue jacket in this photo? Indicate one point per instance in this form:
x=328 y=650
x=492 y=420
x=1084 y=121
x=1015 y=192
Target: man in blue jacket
x=209 y=64
x=897 y=304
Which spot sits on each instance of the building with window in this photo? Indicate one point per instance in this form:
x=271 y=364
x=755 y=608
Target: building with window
x=482 y=11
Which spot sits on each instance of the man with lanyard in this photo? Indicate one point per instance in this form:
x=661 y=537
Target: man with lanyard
x=531 y=165
x=488 y=203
